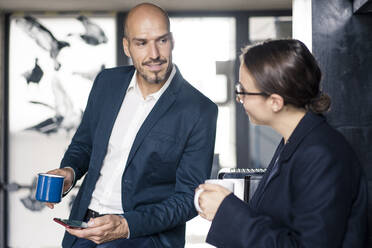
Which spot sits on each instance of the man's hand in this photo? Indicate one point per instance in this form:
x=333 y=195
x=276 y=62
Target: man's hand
x=103 y=229
x=68 y=173
x=210 y=199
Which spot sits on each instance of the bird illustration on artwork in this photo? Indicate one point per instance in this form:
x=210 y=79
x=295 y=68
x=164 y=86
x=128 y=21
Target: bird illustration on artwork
x=93 y=35
x=43 y=37
x=65 y=117
x=34 y=75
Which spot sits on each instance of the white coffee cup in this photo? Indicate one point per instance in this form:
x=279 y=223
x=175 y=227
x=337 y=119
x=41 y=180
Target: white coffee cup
x=229 y=185
x=238 y=187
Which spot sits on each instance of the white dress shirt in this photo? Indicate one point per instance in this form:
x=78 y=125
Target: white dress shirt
x=106 y=197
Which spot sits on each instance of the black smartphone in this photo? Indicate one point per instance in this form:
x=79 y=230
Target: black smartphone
x=77 y=224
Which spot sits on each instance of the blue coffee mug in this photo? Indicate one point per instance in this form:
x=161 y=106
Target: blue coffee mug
x=49 y=188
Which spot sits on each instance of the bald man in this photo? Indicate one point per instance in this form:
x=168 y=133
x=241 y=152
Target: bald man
x=144 y=144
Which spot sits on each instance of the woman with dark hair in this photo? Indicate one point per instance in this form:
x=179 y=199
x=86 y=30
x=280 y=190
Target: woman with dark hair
x=313 y=193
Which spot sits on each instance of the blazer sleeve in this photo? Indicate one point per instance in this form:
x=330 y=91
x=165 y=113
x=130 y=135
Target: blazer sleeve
x=193 y=168
x=324 y=191
x=78 y=152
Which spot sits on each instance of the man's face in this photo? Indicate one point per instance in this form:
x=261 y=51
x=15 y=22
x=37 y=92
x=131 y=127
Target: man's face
x=150 y=45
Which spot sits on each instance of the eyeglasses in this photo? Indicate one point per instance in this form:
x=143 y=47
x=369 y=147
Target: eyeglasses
x=240 y=91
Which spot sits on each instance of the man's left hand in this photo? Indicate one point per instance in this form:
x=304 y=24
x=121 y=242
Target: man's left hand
x=103 y=229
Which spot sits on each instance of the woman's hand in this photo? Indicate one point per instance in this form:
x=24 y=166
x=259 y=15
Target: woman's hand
x=210 y=199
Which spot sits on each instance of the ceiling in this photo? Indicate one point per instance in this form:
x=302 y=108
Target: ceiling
x=123 y=5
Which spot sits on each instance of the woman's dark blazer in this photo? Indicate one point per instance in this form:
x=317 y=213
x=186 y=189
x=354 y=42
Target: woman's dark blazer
x=316 y=197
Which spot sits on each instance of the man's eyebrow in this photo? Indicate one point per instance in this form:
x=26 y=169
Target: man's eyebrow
x=163 y=36
x=158 y=38
x=139 y=39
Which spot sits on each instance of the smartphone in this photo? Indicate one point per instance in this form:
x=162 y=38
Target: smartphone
x=77 y=224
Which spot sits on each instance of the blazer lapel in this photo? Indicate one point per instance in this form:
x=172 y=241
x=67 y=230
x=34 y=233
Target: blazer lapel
x=118 y=87
x=307 y=123
x=263 y=183
x=160 y=108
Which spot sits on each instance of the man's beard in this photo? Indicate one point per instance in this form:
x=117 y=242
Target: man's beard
x=158 y=78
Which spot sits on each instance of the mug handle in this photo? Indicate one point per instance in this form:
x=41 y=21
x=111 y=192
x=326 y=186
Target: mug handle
x=196 y=200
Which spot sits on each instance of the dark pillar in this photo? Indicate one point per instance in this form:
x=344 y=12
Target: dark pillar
x=4 y=34
x=242 y=121
x=121 y=58
x=2 y=60
x=341 y=42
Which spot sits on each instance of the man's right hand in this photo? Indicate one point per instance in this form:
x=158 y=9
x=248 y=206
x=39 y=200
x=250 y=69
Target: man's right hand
x=68 y=173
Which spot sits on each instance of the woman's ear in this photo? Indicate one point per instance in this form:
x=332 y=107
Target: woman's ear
x=276 y=102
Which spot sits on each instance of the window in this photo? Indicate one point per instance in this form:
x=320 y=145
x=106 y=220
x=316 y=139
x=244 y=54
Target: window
x=264 y=140
x=205 y=53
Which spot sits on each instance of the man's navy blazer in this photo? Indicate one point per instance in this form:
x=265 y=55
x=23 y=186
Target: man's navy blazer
x=315 y=198
x=171 y=155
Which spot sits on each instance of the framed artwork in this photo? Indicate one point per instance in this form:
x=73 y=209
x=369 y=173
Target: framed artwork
x=53 y=60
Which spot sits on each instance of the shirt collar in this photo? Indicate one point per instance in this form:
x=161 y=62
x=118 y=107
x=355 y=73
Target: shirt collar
x=133 y=85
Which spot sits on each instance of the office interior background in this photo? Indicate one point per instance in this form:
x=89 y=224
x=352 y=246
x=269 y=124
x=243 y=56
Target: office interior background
x=43 y=91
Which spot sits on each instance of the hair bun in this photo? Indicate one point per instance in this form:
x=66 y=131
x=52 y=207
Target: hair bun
x=319 y=104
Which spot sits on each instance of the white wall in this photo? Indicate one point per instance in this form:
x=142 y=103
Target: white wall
x=302 y=22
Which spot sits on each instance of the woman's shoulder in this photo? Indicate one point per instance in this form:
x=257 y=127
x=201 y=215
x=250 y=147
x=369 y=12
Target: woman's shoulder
x=327 y=138
x=325 y=143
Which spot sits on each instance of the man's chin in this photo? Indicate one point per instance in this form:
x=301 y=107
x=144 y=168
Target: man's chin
x=156 y=79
